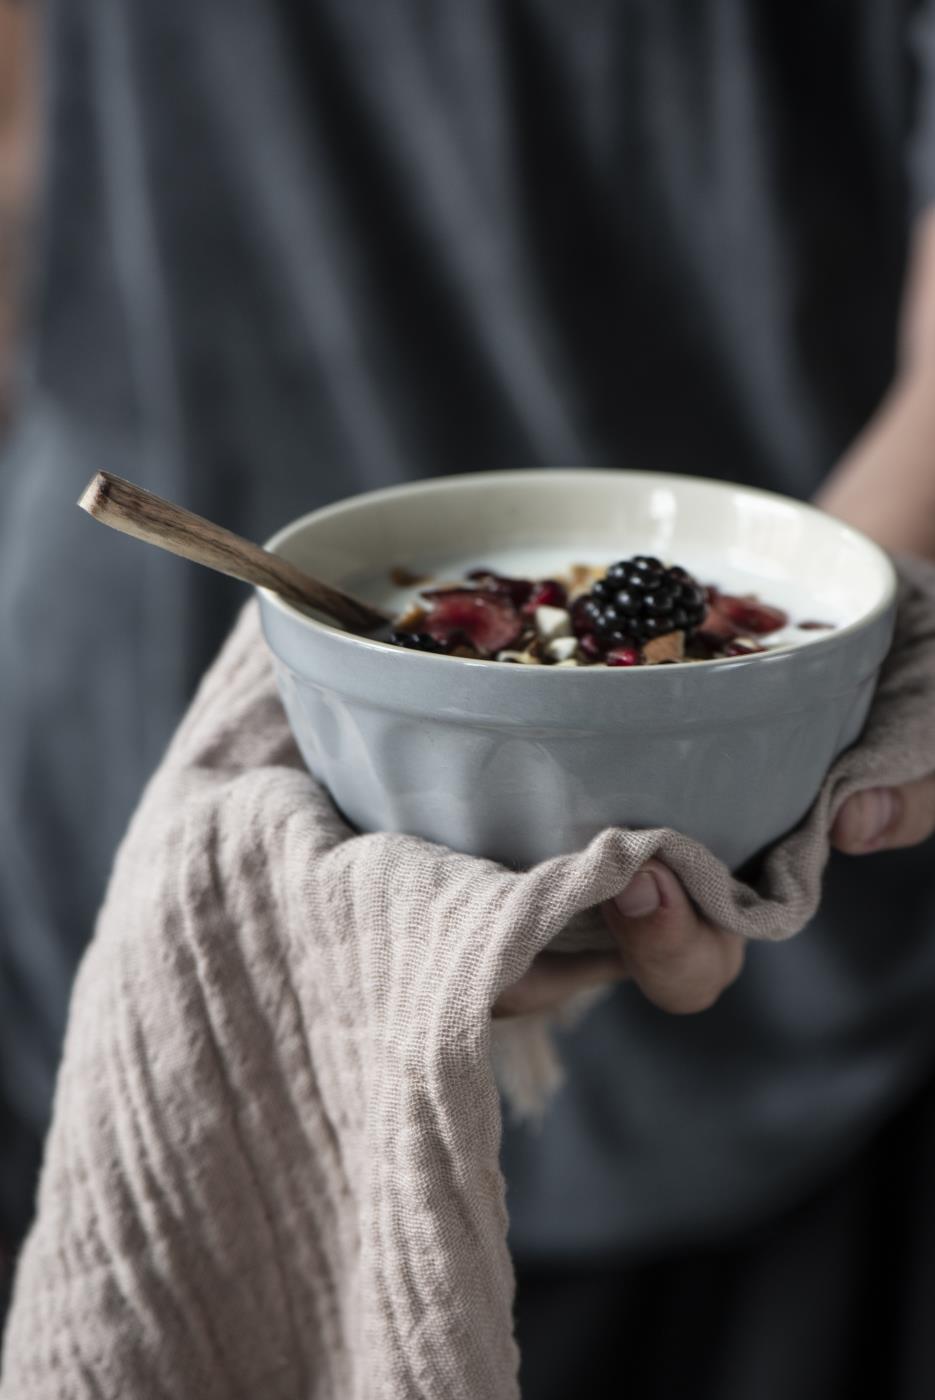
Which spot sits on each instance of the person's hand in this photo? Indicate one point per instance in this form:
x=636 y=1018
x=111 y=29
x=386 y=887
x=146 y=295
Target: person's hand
x=885 y=819
x=680 y=962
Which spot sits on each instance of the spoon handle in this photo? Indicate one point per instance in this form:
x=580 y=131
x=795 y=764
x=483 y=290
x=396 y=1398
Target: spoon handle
x=136 y=512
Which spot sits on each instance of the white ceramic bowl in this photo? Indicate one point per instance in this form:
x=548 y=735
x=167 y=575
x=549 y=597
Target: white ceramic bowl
x=520 y=763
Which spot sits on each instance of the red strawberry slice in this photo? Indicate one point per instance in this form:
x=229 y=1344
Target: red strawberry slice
x=749 y=615
x=489 y=619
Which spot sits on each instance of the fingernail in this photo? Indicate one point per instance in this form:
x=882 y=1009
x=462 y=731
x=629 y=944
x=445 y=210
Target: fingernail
x=877 y=808
x=641 y=897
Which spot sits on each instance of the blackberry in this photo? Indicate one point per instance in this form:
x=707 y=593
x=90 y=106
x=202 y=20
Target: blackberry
x=640 y=598
x=416 y=641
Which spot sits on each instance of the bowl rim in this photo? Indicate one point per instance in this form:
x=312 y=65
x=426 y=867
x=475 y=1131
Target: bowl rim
x=821 y=641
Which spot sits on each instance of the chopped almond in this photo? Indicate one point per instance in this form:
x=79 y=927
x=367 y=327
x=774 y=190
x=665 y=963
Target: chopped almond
x=580 y=577
x=669 y=647
x=561 y=649
x=519 y=658
x=410 y=619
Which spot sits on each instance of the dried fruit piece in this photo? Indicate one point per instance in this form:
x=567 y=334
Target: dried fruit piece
x=516 y=589
x=717 y=626
x=750 y=615
x=489 y=620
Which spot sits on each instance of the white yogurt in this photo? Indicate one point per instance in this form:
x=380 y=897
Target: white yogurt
x=539 y=563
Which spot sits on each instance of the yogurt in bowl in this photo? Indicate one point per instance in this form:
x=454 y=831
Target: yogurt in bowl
x=520 y=763
x=633 y=612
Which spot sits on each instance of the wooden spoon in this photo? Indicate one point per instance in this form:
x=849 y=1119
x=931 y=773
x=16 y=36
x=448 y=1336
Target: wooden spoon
x=129 y=508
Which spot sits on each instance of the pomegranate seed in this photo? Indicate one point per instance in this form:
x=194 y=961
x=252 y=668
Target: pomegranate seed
x=553 y=594
x=624 y=656
x=547 y=594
